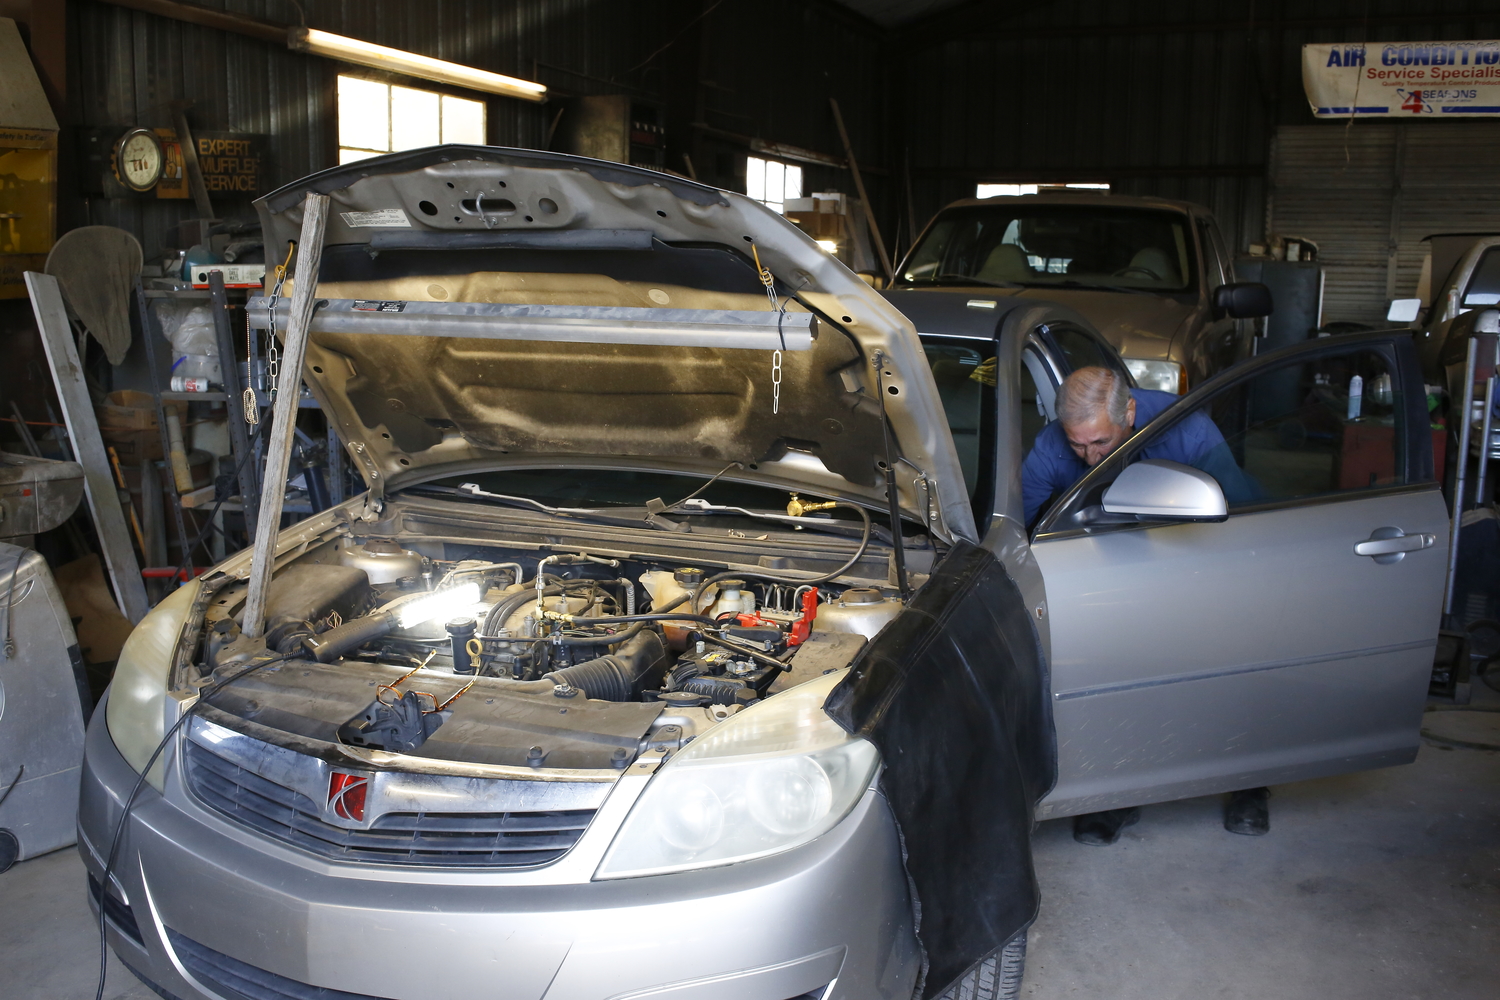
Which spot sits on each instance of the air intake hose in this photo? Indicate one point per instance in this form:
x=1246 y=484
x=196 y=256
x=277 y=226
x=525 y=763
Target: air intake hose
x=621 y=675
x=721 y=690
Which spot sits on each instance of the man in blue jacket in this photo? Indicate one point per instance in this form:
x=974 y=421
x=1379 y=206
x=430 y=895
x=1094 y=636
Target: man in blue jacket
x=1096 y=413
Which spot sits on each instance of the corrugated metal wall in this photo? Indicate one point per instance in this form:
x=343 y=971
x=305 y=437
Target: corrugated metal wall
x=1178 y=99
x=127 y=67
x=1368 y=195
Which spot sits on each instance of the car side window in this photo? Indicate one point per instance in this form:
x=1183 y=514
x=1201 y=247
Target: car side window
x=1213 y=261
x=1484 y=283
x=1310 y=428
x=1079 y=349
x=965 y=377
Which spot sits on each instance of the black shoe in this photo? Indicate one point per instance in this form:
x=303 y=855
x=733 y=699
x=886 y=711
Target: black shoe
x=1248 y=812
x=1103 y=828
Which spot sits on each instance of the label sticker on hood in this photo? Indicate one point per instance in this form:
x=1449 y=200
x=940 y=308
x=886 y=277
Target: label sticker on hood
x=377 y=306
x=389 y=218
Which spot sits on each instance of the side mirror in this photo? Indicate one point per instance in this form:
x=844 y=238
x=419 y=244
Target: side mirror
x=1403 y=311
x=1154 y=488
x=1243 y=300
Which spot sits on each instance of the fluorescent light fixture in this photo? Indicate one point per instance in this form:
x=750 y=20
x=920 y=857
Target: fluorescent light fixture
x=352 y=50
x=829 y=245
x=443 y=604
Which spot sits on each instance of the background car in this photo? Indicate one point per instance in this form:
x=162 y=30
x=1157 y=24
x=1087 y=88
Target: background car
x=1152 y=275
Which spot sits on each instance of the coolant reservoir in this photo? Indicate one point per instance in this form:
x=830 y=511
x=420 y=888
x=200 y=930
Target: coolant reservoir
x=662 y=586
x=382 y=560
x=734 y=598
x=858 y=610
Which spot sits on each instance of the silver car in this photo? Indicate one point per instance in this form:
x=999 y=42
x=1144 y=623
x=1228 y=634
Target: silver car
x=623 y=681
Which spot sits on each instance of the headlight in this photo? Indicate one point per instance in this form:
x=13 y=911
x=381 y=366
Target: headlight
x=775 y=776
x=1164 y=376
x=137 y=713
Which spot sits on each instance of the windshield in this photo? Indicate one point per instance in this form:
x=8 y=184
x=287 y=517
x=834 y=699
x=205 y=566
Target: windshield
x=1032 y=244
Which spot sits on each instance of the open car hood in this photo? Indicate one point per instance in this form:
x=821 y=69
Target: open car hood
x=489 y=307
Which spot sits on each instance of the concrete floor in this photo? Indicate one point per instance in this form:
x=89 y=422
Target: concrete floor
x=1381 y=885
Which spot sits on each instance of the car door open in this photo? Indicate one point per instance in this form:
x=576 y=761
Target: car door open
x=1288 y=632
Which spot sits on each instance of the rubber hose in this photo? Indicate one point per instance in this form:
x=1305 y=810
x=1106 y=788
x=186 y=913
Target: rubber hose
x=602 y=678
x=616 y=677
x=723 y=692
x=859 y=553
x=501 y=612
x=601 y=640
x=329 y=646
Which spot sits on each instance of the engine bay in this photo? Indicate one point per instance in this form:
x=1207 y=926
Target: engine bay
x=524 y=655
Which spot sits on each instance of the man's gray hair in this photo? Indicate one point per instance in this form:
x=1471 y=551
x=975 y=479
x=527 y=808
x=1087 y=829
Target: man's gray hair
x=1090 y=391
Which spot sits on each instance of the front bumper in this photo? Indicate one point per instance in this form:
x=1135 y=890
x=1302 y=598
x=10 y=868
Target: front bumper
x=201 y=890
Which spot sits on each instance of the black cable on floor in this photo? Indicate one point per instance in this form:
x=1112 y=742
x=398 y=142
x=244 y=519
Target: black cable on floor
x=114 y=846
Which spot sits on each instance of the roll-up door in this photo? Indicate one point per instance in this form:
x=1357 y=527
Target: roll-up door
x=1368 y=194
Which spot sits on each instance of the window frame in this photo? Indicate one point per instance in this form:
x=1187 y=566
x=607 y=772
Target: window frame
x=1416 y=466
x=389 y=83
x=785 y=165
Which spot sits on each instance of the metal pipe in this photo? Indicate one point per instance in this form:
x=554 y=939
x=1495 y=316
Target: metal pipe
x=1486 y=425
x=1460 y=476
x=239 y=436
x=284 y=412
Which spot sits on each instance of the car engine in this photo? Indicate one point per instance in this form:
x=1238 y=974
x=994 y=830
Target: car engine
x=519 y=657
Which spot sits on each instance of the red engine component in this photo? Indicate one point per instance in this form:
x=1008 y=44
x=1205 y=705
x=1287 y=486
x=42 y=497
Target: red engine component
x=800 y=628
x=803 y=626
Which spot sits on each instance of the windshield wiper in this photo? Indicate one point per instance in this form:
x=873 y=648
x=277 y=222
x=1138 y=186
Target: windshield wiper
x=472 y=491
x=964 y=279
x=1093 y=287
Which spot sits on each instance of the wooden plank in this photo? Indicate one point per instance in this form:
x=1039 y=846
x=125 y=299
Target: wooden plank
x=199 y=498
x=83 y=429
x=284 y=412
x=864 y=199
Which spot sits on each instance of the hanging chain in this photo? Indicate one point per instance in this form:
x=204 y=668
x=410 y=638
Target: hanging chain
x=768 y=280
x=273 y=353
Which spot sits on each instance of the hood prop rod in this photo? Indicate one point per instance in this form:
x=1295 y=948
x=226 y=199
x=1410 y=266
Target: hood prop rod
x=284 y=417
x=893 y=501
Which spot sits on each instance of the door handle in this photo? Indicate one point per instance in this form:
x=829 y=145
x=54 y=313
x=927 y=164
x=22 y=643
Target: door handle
x=1390 y=545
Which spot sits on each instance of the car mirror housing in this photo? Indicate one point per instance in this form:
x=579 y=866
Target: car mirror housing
x=1403 y=311
x=1155 y=489
x=1243 y=300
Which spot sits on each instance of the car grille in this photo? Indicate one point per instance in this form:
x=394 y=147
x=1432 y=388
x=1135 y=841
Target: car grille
x=229 y=977
x=480 y=839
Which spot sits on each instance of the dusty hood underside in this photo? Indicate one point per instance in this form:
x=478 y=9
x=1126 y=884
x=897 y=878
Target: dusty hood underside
x=414 y=237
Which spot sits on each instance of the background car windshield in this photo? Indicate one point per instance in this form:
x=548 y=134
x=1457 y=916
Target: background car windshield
x=1033 y=244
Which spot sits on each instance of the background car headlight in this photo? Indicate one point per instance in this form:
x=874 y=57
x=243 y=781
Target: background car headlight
x=137 y=712
x=1163 y=376
x=773 y=777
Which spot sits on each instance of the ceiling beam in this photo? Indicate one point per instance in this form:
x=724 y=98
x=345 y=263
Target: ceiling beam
x=206 y=17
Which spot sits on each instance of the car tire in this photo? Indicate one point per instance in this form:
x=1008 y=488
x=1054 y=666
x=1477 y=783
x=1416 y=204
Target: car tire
x=996 y=978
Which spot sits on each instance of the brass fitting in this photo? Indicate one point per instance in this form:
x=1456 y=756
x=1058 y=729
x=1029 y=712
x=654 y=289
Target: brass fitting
x=796 y=507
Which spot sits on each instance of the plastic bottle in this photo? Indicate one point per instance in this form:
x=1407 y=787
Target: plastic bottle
x=1356 y=397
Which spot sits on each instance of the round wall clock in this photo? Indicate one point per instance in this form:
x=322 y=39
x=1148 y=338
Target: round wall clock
x=139 y=159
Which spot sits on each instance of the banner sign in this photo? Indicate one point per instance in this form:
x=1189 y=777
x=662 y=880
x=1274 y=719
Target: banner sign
x=1403 y=79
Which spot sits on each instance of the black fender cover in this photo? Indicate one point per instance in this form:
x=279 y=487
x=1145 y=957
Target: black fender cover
x=955 y=693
